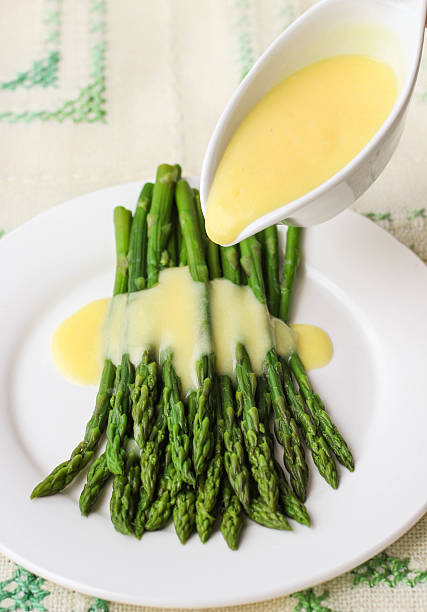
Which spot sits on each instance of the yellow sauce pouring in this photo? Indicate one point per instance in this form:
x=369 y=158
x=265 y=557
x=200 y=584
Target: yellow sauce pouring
x=301 y=133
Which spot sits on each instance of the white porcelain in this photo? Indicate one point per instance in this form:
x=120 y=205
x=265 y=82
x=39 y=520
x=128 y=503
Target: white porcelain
x=387 y=30
x=374 y=388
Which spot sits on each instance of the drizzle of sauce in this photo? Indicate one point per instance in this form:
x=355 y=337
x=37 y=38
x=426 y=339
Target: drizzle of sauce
x=76 y=344
x=170 y=316
x=301 y=133
x=313 y=346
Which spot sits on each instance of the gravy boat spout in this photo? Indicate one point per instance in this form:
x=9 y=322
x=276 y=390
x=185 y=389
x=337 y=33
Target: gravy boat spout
x=390 y=31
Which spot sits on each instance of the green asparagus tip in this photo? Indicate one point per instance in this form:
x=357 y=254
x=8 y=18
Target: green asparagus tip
x=168 y=174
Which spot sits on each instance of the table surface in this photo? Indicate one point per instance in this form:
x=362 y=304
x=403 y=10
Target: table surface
x=95 y=93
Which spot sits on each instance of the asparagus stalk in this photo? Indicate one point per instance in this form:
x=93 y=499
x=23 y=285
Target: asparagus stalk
x=290 y=265
x=291 y=505
x=232 y=517
x=144 y=398
x=169 y=486
x=314 y=404
x=152 y=451
x=313 y=438
x=138 y=240
x=318 y=413
x=261 y=513
x=270 y=248
x=209 y=486
x=141 y=514
x=259 y=452
x=211 y=249
x=286 y=430
x=235 y=461
x=203 y=438
x=160 y=229
x=184 y=513
x=126 y=488
x=118 y=417
x=177 y=423
x=64 y=473
x=97 y=477
x=159 y=219
x=230 y=259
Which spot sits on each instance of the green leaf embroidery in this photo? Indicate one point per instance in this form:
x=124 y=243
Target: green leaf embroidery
x=24 y=590
x=417 y=214
x=379 y=216
x=308 y=601
x=89 y=104
x=389 y=570
x=43 y=73
x=99 y=605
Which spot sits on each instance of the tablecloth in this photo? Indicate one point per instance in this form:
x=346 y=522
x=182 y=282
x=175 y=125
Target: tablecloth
x=98 y=92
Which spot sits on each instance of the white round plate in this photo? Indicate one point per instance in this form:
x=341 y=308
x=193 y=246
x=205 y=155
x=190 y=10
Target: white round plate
x=357 y=282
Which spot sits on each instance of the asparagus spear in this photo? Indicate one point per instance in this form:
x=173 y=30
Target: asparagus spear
x=270 y=248
x=97 y=477
x=138 y=240
x=118 y=416
x=169 y=486
x=230 y=259
x=160 y=229
x=290 y=265
x=313 y=438
x=144 y=391
x=314 y=404
x=286 y=429
x=126 y=488
x=211 y=249
x=291 y=505
x=209 y=486
x=259 y=452
x=232 y=517
x=159 y=219
x=141 y=514
x=144 y=398
x=203 y=438
x=64 y=473
x=261 y=513
x=177 y=423
x=235 y=461
x=319 y=415
x=152 y=451
x=184 y=513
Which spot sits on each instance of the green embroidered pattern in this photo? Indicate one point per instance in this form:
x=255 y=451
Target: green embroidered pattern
x=89 y=104
x=378 y=216
x=417 y=214
x=24 y=592
x=389 y=570
x=2 y=233
x=308 y=601
x=43 y=72
x=99 y=605
x=246 y=54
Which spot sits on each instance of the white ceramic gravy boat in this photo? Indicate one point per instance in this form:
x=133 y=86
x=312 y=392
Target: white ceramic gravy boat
x=388 y=30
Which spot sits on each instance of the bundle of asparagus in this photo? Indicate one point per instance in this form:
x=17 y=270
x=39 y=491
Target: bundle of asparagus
x=207 y=458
